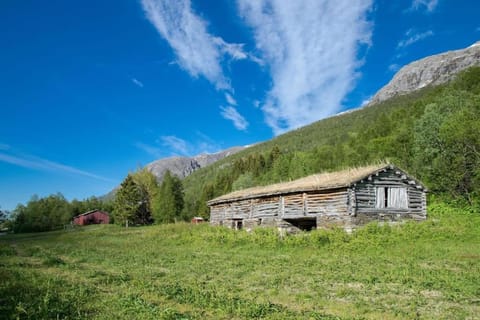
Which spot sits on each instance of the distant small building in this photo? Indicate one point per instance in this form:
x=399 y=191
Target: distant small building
x=197 y=220
x=347 y=199
x=92 y=217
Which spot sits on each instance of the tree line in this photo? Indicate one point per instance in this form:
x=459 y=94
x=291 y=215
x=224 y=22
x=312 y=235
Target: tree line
x=139 y=200
x=51 y=212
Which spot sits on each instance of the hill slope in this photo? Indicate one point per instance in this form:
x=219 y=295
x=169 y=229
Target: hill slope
x=432 y=133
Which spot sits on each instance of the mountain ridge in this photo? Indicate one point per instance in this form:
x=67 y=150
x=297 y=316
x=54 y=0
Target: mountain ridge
x=184 y=166
x=431 y=70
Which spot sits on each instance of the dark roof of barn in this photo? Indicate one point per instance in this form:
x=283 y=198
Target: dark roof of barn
x=316 y=182
x=89 y=212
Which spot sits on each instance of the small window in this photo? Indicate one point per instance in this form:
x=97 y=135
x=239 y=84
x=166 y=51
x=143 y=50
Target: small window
x=388 y=197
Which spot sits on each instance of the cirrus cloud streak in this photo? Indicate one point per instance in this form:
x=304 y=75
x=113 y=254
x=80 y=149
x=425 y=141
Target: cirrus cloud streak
x=36 y=163
x=231 y=113
x=311 y=49
x=197 y=51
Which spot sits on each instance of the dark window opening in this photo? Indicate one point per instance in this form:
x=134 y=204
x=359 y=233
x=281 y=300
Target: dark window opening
x=238 y=224
x=304 y=224
x=386 y=197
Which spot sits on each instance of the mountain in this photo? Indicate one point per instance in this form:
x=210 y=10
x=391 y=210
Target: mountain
x=432 y=70
x=184 y=166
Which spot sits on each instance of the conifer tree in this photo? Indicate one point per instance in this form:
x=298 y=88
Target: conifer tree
x=169 y=200
x=128 y=202
x=149 y=189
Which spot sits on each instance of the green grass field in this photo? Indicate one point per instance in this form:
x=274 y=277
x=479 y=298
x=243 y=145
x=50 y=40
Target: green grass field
x=428 y=270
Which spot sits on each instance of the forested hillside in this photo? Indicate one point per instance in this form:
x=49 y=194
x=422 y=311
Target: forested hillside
x=433 y=133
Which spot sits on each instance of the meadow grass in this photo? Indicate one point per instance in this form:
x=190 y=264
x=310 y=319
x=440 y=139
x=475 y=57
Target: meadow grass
x=428 y=270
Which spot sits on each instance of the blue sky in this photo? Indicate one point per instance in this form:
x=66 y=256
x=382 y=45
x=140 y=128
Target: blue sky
x=90 y=90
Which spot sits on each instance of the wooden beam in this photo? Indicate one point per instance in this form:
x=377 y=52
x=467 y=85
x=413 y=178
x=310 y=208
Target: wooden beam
x=305 y=208
x=282 y=206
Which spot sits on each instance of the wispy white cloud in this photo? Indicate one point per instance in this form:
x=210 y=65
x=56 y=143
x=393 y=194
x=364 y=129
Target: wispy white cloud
x=137 y=82
x=429 y=5
x=167 y=146
x=176 y=144
x=412 y=36
x=230 y=99
x=394 y=67
x=311 y=48
x=198 y=52
x=234 y=50
x=230 y=113
x=150 y=149
x=206 y=144
x=36 y=163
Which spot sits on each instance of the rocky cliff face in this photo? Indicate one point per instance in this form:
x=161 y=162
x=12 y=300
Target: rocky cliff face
x=432 y=70
x=184 y=166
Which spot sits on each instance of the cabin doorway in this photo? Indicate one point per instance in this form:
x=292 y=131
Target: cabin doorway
x=304 y=224
x=237 y=224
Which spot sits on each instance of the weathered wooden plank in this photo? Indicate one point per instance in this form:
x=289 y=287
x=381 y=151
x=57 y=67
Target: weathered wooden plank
x=282 y=206
x=326 y=196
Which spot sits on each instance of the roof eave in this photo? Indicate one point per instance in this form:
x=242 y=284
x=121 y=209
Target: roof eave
x=271 y=194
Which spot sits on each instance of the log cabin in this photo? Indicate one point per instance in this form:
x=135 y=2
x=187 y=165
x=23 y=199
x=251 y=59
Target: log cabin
x=346 y=199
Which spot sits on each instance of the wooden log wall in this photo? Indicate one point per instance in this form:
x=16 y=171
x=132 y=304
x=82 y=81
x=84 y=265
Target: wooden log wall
x=365 y=195
x=262 y=211
x=216 y=214
x=265 y=207
x=294 y=206
x=331 y=209
x=333 y=203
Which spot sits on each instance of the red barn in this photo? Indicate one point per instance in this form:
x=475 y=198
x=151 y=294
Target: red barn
x=92 y=217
